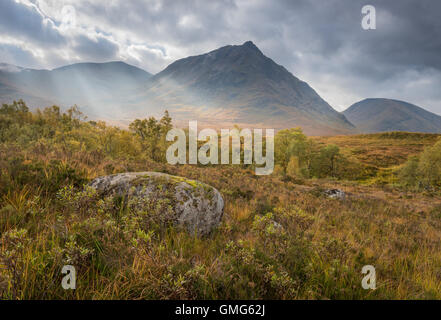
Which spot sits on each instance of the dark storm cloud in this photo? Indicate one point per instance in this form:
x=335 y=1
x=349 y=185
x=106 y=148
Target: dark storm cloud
x=321 y=42
x=408 y=33
x=412 y=37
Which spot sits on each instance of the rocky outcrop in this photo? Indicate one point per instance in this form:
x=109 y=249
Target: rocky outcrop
x=198 y=207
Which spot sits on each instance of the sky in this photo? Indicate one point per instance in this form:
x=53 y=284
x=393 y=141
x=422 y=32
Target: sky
x=320 y=42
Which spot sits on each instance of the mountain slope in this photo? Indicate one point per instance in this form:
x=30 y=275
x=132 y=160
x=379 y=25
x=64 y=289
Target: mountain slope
x=378 y=115
x=239 y=84
x=94 y=86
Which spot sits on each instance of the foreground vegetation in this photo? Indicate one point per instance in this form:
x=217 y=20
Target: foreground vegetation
x=281 y=236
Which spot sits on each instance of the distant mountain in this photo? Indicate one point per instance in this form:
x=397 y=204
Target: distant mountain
x=235 y=84
x=5 y=67
x=10 y=90
x=94 y=86
x=238 y=84
x=379 y=115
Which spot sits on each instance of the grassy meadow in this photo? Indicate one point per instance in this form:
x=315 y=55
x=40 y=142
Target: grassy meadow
x=281 y=237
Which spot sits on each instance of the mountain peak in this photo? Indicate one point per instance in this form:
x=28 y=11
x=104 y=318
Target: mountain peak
x=250 y=46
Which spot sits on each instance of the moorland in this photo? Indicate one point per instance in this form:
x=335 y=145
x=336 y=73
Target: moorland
x=281 y=236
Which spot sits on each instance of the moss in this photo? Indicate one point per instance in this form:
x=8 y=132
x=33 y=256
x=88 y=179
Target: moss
x=192 y=183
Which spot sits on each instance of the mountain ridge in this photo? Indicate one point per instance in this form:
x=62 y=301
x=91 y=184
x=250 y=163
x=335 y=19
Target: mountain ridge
x=383 y=115
x=86 y=84
x=234 y=84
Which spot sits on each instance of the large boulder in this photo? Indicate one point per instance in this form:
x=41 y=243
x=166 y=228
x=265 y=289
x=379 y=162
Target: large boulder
x=198 y=207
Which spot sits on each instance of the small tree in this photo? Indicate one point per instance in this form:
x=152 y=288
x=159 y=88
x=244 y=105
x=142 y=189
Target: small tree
x=152 y=133
x=409 y=173
x=429 y=166
x=292 y=143
x=293 y=169
x=324 y=163
x=423 y=170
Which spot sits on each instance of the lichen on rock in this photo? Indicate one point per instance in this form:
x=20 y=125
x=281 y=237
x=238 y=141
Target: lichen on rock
x=198 y=207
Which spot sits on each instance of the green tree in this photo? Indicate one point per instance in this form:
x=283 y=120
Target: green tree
x=152 y=133
x=409 y=175
x=291 y=143
x=429 y=166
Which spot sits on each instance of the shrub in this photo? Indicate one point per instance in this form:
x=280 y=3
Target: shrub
x=423 y=171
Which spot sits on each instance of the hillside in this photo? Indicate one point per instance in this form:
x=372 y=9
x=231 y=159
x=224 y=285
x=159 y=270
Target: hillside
x=380 y=115
x=382 y=150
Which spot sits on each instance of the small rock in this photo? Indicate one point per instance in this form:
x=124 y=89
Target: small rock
x=277 y=225
x=198 y=206
x=335 y=194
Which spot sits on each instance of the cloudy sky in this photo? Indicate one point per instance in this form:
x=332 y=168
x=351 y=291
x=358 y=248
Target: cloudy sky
x=320 y=42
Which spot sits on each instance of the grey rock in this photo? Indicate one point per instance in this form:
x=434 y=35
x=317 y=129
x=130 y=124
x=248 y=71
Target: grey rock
x=277 y=225
x=335 y=194
x=198 y=207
